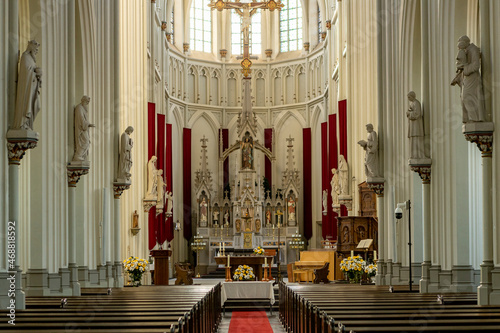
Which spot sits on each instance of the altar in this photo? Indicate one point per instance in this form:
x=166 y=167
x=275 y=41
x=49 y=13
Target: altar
x=248 y=290
x=255 y=262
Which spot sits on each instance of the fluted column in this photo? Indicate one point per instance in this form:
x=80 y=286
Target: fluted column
x=377 y=185
x=118 y=264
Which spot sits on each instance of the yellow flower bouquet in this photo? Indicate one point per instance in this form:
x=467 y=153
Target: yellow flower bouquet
x=243 y=272
x=258 y=250
x=353 y=268
x=135 y=267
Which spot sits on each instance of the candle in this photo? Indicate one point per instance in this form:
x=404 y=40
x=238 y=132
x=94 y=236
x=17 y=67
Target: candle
x=220 y=248
x=352 y=253
x=228 y=256
x=375 y=255
x=265 y=261
x=223 y=249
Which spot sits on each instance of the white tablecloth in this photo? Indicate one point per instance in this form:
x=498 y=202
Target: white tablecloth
x=250 y=289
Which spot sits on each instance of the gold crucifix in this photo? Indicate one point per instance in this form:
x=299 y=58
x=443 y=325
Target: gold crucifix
x=246 y=10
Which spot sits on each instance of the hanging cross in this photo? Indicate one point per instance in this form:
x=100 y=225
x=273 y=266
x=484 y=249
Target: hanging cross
x=246 y=10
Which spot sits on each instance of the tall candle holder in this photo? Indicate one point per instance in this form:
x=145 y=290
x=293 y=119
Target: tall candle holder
x=198 y=245
x=297 y=244
x=279 y=214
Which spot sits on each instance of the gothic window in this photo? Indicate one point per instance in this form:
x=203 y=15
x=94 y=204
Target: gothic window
x=201 y=26
x=291 y=26
x=255 y=33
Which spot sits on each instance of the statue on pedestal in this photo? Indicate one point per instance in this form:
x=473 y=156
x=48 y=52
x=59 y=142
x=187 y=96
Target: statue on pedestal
x=343 y=176
x=170 y=203
x=82 y=136
x=469 y=80
x=152 y=193
x=325 y=200
x=247 y=151
x=29 y=83
x=334 y=183
x=291 y=209
x=160 y=186
x=203 y=210
x=415 y=127
x=125 y=164
x=371 y=156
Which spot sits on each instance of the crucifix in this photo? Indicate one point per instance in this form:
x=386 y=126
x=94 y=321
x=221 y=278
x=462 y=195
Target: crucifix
x=246 y=10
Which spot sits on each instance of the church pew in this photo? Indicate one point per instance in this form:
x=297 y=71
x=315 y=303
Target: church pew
x=126 y=310
x=361 y=309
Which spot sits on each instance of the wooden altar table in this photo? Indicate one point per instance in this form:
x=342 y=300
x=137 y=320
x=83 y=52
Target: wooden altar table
x=255 y=262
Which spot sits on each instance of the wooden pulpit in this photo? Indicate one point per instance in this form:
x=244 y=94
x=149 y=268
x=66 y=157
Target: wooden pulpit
x=161 y=266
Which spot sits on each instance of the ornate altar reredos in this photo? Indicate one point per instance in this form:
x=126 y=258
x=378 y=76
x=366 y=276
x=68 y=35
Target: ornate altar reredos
x=244 y=213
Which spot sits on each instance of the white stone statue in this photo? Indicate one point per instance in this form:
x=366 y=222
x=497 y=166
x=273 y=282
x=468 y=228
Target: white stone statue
x=82 y=125
x=415 y=127
x=125 y=163
x=170 y=203
x=371 y=156
x=152 y=193
x=226 y=217
x=325 y=200
x=291 y=209
x=343 y=176
x=469 y=80
x=216 y=215
x=334 y=183
x=203 y=210
x=160 y=187
x=29 y=82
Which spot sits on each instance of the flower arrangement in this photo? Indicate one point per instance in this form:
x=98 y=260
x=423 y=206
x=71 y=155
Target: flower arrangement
x=371 y=270
x=135 y=267
x=354 y=268
x=258 y=250
x=243 y=272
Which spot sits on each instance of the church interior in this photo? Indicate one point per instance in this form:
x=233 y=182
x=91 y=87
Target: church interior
x=155 y=142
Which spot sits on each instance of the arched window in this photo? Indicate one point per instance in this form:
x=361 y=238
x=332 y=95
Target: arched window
x=291 y=26
x=201 y=26
x=255 y=33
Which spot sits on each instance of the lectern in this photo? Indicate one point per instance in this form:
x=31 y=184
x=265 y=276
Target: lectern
x=161 y=266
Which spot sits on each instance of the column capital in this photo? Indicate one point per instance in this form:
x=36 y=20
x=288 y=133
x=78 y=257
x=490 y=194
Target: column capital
x=376 y=185
x=118 y=188
x=74 y=174
x=480 y=133
x=18 y=141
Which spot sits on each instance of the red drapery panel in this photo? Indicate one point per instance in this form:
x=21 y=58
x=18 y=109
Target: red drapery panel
x=225 y=144
x=306 y=132
x=325 y=179
x=268 y=143
x=187 y=182
x=151 y=152
x=168 y=170
x=333 y=163
x=160 y=164
x=343 y=139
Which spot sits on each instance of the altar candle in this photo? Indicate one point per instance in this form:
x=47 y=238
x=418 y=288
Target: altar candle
x=375 y=255
x=228 y=256
x=352 y=253
x=220 y=248
x=223 y=249
x=265 y=261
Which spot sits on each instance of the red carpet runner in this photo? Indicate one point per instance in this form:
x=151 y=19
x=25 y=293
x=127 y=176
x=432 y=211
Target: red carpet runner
x=249 y=322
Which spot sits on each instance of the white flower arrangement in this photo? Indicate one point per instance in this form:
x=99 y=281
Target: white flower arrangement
x=371 y=270
x=258 y=250
x=135 y=267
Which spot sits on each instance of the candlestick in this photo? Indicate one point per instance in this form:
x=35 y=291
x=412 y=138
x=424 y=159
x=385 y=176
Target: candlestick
x=352 y=253
x=228 y=256
x=375 y=255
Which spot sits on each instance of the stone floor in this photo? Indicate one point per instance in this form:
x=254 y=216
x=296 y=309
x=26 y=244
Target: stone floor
x=273 y=320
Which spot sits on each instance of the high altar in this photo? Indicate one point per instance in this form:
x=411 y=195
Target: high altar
x=245 y=214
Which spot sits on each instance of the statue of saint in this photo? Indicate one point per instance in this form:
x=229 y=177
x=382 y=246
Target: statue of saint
x=415 y=127
x=170 y=203
x=216 y=215
x=203 y=210
x=257 y=225
x=160 y=186
x=82 y=125
x=371 y=152
x=268 y=217
x=335 y=184
x=125 y=164
x=469 y=80
x=343 y=176
x=238 y=225
x=135 y=220
x=226 y=217
x=152 y=193
x=29 y=82
x=291 y=209
x=325 y=200
x=247 y=151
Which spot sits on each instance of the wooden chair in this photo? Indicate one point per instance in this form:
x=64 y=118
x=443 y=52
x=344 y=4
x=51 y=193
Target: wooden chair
x=321 y=274
x=184 y=273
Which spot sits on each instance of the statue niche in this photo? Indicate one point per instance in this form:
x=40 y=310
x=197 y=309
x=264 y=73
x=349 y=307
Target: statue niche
x=247 y=152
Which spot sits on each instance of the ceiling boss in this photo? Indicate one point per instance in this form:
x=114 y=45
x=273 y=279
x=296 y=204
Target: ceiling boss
x=246 y=10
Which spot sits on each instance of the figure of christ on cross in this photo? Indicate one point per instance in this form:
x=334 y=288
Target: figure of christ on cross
x=246 y=10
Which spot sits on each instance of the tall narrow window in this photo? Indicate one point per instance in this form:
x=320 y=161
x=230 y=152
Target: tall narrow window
x=291 y=26
x=201 y=26
x=255 y=33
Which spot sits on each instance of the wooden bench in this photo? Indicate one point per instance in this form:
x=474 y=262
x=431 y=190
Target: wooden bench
x=184 y=274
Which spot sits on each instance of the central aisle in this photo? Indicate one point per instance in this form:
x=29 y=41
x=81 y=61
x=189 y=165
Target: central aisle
x=250 y=322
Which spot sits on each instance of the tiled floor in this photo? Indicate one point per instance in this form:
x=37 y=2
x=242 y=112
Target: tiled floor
x=273 y=320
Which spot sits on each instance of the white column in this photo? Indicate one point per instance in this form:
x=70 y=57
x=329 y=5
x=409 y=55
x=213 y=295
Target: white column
x=73 y=267
x=426 y=263
x=117 y=242
x=380 y=277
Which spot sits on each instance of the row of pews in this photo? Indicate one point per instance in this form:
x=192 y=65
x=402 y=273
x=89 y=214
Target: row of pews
x=185 y=309
x=362 y=308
